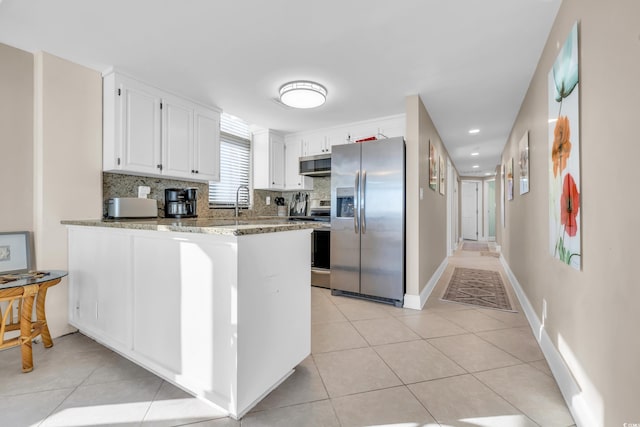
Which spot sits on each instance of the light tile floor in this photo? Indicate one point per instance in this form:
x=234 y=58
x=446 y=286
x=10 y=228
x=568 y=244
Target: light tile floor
x=371 y=365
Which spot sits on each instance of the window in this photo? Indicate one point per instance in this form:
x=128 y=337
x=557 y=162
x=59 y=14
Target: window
x=235 y=163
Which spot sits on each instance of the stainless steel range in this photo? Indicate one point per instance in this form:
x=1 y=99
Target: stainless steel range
x=320 y=210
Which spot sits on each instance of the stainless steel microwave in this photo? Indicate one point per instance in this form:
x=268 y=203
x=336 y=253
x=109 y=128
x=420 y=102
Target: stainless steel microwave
x=319 y=165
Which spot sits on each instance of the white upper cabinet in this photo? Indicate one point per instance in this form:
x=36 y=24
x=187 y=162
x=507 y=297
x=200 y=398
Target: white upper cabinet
x=313 y=145
x=207 y=145
x=177 y=138
x=293 y=180
x=140 y=143
x=268 y=160
x=320 y=141
x=150 y=132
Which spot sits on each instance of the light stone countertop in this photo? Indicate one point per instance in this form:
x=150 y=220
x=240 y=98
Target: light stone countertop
x=225 y=226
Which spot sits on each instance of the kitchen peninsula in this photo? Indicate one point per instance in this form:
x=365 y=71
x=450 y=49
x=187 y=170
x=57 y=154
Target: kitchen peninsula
x=220 y=308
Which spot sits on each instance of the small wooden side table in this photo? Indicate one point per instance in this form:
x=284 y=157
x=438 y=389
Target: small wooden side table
x=22 y=293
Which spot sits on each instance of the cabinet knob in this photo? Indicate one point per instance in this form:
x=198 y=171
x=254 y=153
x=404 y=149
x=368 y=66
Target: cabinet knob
x=197 y=171
x=192 y=171
x=159 y=167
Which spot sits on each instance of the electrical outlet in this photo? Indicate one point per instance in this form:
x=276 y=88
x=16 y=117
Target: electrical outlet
x=143 y=191
x=268 y=200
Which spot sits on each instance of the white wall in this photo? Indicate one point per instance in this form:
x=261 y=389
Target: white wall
x=67 y=171
x=426 y=223
x=592 y=315
x=16 y=139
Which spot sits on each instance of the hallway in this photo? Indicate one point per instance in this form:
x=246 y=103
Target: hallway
x=371 y=365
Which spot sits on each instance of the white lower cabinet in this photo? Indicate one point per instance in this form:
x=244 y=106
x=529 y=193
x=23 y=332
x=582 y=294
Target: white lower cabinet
x=103 y=304
x=157 y=302
x=224 y=317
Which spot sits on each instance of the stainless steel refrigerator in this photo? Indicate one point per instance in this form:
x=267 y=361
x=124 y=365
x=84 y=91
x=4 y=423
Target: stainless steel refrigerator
x=368 y=220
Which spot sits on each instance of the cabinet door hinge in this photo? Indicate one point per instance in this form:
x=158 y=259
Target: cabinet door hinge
x=119 y=92
x=161 y=105
x=118 y=161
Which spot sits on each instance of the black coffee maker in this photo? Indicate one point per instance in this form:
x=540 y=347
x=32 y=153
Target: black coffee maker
x=180 y=202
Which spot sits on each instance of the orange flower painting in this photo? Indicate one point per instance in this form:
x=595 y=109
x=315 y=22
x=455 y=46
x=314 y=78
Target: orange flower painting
x=561 y=145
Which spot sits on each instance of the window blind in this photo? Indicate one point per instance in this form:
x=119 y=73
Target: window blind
x=235 y=163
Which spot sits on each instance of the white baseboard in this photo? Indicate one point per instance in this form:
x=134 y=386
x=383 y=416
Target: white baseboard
x=416 y=302
x=570 y=390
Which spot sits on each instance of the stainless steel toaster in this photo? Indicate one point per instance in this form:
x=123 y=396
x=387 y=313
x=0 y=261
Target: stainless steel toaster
x=131 y=207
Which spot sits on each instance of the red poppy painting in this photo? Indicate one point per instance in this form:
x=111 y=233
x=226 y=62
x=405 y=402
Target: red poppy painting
x=569 y=205
x=564 y=155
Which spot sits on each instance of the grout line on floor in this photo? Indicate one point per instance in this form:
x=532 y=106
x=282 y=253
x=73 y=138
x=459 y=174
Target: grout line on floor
x=501 y=396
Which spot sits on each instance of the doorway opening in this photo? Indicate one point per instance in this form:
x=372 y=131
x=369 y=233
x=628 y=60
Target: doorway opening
x=490 y=209
x=470 y=210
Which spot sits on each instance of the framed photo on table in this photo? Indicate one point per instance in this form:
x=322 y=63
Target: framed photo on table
x=16 y=252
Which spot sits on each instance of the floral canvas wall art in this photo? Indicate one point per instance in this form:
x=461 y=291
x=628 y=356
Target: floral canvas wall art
x=564 y=155
x=442 y=174
x=433 y=168
x=502 y=193
x=510 y=179
x=523 y=148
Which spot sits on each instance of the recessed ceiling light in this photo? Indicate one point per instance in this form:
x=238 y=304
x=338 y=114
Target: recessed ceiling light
x=488 y=173
x=472 y=131
x=475 y=153
x=303 y=94
x=475 y=166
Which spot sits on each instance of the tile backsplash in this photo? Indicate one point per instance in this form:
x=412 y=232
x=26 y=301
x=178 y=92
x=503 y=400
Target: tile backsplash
x=121 y=185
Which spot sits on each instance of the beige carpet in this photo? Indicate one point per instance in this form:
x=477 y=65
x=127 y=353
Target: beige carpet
x=483 y=288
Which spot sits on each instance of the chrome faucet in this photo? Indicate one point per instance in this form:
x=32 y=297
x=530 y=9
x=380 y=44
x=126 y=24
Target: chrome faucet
x=238 y=193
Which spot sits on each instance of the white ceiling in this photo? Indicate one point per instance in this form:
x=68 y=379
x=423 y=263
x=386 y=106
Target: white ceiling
x=470 y=61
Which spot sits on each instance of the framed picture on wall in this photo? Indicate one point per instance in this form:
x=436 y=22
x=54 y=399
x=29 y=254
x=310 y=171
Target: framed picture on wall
x=442 y=173
x=510 y=179
x=433 y=167
x=523 y=148
x=502 y=193
x=15 y=252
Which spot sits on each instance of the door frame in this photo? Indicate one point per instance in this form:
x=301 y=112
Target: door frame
x=479 y=211
x=452 y=209
x=485 y=202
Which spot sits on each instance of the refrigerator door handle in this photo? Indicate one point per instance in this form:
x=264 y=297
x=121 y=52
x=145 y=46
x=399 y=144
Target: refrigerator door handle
x=356 y=208
x=363 y=199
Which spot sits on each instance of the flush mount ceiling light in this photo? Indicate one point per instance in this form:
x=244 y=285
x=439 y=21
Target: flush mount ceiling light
x=475 y=166
x=303 y=94
x=475 y=153
x=472 y=131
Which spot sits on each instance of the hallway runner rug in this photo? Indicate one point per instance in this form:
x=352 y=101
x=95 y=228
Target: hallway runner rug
x=473 y=246
x=492 y=254
x=483 y=288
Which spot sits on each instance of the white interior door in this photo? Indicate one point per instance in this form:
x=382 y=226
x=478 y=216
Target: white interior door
x=469 y=210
